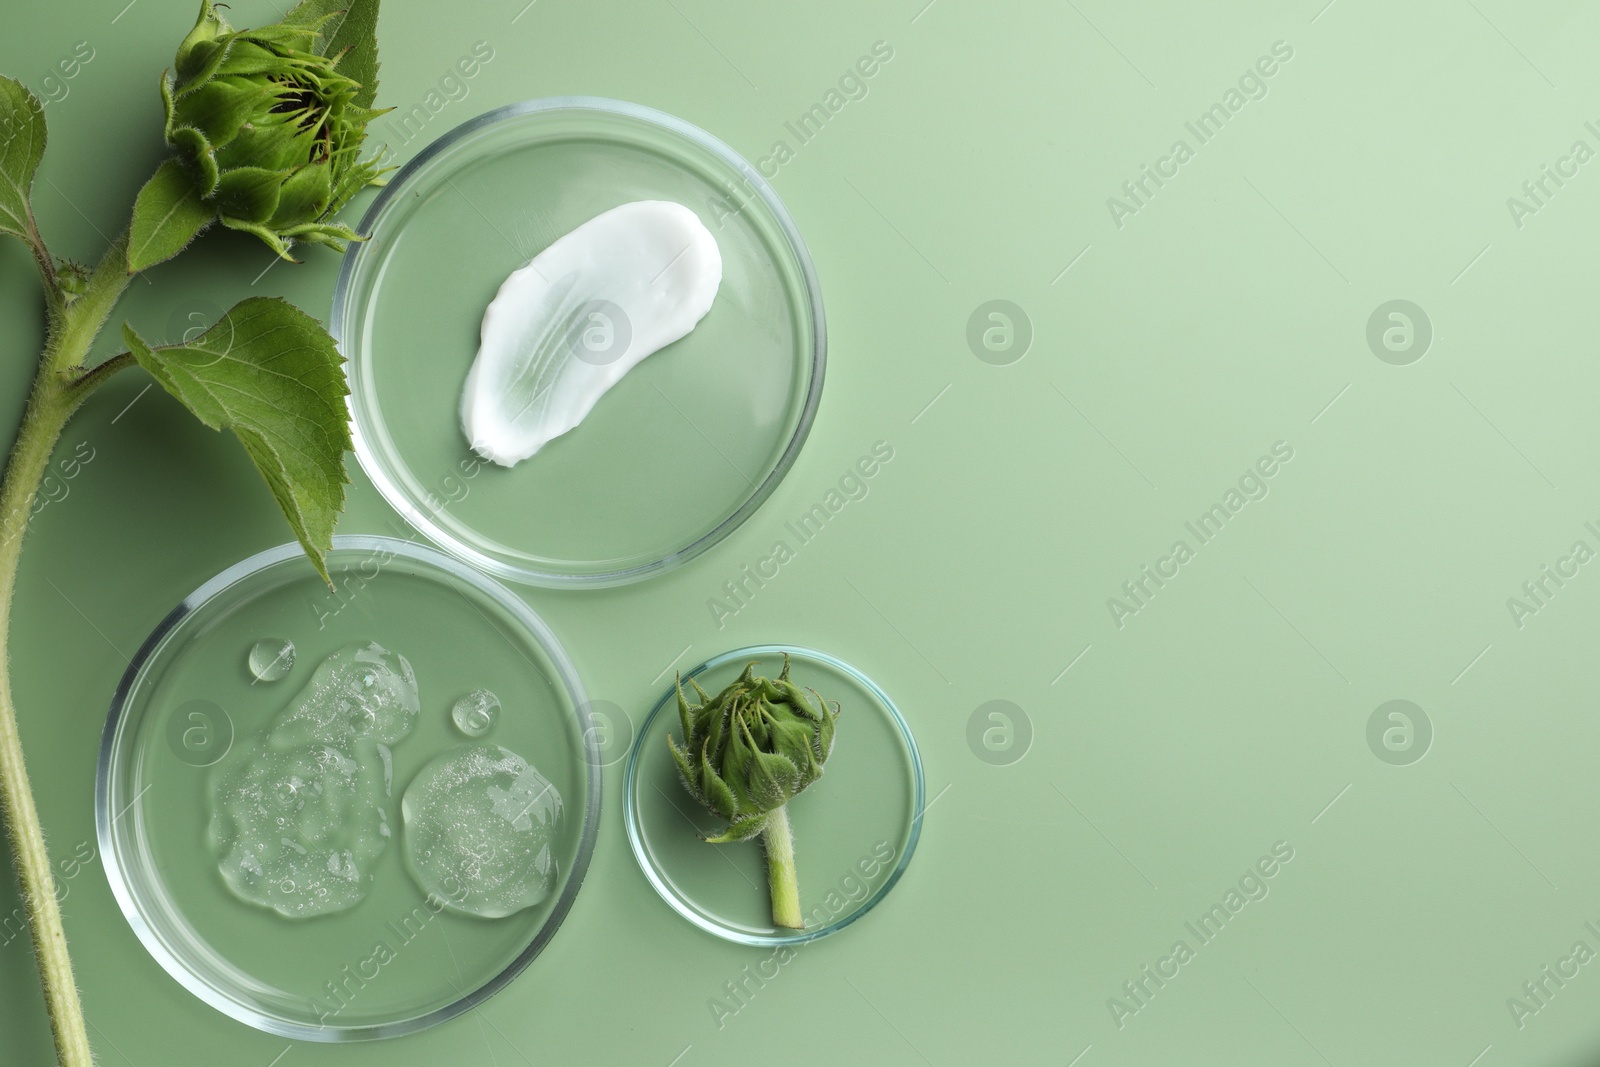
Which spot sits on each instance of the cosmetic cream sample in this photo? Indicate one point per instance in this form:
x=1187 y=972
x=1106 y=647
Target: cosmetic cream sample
x=565 y=328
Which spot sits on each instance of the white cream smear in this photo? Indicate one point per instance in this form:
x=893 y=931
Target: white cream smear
x=565 y=328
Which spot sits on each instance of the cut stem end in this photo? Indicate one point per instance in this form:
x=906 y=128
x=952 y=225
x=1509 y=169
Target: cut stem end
x=781 y=878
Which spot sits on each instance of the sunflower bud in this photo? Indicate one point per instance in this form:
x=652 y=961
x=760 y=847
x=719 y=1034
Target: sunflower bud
x=268 y=130
x=752 y=748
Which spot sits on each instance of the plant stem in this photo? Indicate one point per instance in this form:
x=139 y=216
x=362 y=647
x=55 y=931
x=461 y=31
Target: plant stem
x=54 y=298
x=781 y=878
x=54 y=397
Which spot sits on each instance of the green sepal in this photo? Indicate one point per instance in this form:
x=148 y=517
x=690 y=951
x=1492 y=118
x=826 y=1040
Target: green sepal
x=248 y=194
x=686 y=720
x=286 y=34
x=701 y=693
x=196 y=153
x=221 y=108
x=268 y=142
x=771 y=779
x=200 y=43
x=716 y=723
x=825 y=727
x=203 y=72
x=246 y=57
x=272 y=240
x=303 y=195
x=167 y=215
x=356 y=177
x=741 y=829
x=333 y=234
x=716 y=793
x=685 y=772
x=793 y=741
x=736 y=754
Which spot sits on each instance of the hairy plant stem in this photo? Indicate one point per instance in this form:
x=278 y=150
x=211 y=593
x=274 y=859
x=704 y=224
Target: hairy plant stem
x=781 y=878
x=59 y=386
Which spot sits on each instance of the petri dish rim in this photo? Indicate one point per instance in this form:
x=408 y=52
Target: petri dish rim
x=116 y=719
x=640 y=853
x=344 y=311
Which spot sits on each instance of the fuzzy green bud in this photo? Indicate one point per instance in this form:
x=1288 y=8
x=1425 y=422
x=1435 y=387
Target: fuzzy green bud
x=268 y=129
x=752 y=748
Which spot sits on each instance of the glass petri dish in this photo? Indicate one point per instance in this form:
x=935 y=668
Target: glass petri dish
x=676 y=455
x=193 y=703
x=854 y=829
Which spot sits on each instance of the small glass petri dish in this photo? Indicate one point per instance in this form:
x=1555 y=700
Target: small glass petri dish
x=855 y=828
x=679 y=452
x=197 y=699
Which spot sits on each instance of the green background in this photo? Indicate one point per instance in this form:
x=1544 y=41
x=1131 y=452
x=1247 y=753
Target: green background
x=1229 y=714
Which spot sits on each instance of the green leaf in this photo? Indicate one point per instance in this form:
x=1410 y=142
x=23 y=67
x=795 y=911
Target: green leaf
x=270 y=373
x=167 y=215
x=22 y=136
x=353 y=30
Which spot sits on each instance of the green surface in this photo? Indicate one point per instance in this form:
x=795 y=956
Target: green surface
x=1226 y=314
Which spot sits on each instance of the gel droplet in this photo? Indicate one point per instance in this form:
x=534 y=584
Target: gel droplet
x=480 y=824
x=475 y=714
x=271 y=658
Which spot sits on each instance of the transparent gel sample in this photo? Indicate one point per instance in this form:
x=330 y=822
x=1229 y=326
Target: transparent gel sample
x=271 y=659
x=359 y=691
x=299 y=830
x=475 y=714
x=478 y=821
x=299 y=813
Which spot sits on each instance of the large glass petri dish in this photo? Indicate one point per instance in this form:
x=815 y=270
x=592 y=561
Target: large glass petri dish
x=680 y=451
x=855 y=828
x=193 y=702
